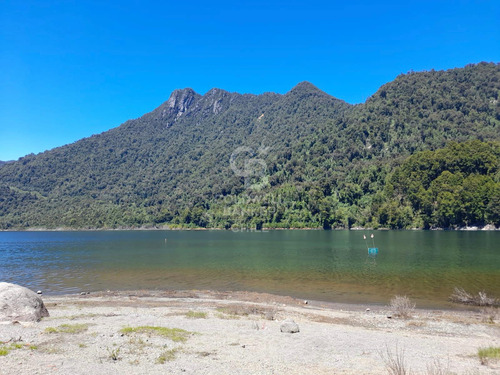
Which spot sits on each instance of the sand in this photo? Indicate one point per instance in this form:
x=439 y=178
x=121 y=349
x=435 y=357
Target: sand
x=239 y=333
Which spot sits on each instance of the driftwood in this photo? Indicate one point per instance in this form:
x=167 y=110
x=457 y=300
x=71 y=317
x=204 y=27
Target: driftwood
x=459 y=295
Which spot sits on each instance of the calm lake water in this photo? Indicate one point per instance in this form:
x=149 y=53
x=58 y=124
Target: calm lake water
x=322 y=265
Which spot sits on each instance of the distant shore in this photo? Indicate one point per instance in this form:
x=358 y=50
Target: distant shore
x=167 y=228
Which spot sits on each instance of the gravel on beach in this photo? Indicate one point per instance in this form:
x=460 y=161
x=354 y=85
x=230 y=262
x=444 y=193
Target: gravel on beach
x=206 y=332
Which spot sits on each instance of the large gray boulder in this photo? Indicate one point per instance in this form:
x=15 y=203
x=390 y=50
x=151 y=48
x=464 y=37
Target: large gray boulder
x=18 y=303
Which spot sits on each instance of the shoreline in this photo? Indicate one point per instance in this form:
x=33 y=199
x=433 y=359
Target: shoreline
x=265 y=297
x=256 y=296
x=239 y=333
x=486 y=228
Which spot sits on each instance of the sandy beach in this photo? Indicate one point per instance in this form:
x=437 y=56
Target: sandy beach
x=206 y=332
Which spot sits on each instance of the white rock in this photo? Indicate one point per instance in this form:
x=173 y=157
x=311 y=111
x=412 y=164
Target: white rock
x=18 y=303
x=289 y=326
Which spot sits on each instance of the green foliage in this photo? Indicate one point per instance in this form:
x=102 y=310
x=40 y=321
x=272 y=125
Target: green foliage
x=486 y=354
x=167 y=356
x=6 y=349
x=328 y=164
x=450 y=187
x=196 y=315
x=114 y=354
x=490 y=352
x=174 y=334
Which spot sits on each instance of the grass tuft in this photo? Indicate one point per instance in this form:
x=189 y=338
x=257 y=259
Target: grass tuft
x=395 y=362
x=227 y=316
x=167 y=356
x=438 y=368
x=174 y=334
x=68 y=328
x=5 y=349
x=196 y=315
x=114 y=354
x=485 y=354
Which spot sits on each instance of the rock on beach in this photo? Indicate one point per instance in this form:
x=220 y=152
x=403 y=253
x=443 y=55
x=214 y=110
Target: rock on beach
x=18 y=303
x=289 y=326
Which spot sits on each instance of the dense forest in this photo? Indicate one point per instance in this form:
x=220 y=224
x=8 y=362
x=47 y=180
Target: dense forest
x=422 y=152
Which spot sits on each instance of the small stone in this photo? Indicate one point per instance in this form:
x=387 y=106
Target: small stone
x=38 y=292
x=83 y=293
x=368 y=310
x=389 y=317
x=306 y=302
x=269 y=315
x=289 y=326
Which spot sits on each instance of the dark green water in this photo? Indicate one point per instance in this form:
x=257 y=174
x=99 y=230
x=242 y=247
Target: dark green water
x=322 y=265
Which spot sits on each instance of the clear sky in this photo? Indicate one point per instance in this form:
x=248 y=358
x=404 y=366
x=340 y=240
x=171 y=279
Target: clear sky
x=70 y=69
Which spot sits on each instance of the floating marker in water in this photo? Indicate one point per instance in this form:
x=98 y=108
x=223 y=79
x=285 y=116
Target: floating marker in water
x=373 y=250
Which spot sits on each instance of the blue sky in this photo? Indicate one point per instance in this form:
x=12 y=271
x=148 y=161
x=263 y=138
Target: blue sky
x=70 y=69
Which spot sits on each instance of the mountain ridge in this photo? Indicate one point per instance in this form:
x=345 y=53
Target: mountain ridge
x=172 y=165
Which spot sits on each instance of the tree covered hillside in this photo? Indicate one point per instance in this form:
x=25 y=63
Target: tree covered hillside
x=454 y=186
x=303 y=159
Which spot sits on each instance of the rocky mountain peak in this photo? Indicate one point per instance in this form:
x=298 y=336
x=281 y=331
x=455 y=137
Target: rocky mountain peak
x=179 y=102
x=181 y=99
x=214 y=99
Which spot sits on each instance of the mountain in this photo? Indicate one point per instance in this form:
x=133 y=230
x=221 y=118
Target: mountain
x=302 y=159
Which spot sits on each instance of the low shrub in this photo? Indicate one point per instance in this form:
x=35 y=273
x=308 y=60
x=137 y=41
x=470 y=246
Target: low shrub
x=402 y=306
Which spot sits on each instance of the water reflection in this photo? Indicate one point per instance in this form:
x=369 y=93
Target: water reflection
x=334 y=266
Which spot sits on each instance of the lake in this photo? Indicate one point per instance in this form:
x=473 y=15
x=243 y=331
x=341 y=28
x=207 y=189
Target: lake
x=322 y=265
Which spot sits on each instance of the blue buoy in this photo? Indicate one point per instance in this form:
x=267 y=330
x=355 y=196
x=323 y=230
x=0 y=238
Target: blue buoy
x=372 y=250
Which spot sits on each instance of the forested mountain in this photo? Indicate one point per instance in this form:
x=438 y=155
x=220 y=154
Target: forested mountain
x=303 y=159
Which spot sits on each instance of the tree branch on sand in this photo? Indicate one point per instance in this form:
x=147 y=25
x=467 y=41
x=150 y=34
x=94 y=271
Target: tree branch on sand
x=459 y=295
